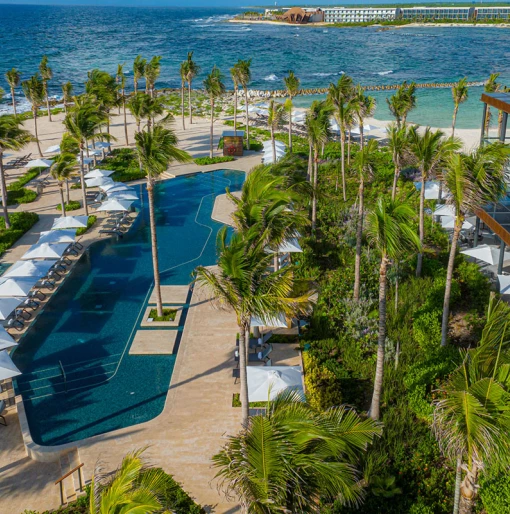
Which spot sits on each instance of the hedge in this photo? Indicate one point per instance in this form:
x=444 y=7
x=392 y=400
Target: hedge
x=22 y=195
x=125 y=164
x=73 y=205
x=92 y=219
x=21 y=222
x=205 y=161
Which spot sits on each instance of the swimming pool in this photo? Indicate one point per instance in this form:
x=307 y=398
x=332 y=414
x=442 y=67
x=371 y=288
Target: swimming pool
x=87 y=327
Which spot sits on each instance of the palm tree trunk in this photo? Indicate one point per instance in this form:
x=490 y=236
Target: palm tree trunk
x=4 y=192
x=359 y=239
x=468 y=491
x=182 y=104
x=13 y=101
x=125 y=117
x=342 y=145
x=349 y=148
x=361 y=135
x=245 y=406
x=449 y=276
x=273 y=144
x=154 y=246
x=36 y=133
x=67 y=191
x=315 y=181
x=47 y=101
x=455 y=110
x=135 y=83
x=310 y=164
x=189 y=104
x=235 y=110
x=458 y=480
x=82 y=178
x=62 y=202
x=379 y=370
x=395 y=181
x=290 y=127
x=419 y=263
x=247 y=119
x=212 y=129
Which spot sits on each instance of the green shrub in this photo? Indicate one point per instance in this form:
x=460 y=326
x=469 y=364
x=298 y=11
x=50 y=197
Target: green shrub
x=125 y=164
x=495 y=494
x=24 y=179
x=92 y=219
x=73 y=205
x=205 y=161
x=427 y=330
x=475 y=287
x=21 y=222
x=21 y=195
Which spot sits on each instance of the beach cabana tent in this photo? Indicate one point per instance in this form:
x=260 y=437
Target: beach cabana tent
x=266 y=382
x=6 y=340
x=8 y=304
x=99 y=173
x=35 y=269
x=115 y=205
x=504 y=284
x=279 y=321
x=45 y=251
x=39 y=163
x=7 y=368
x=99 y=181
x=486 y=253
x=58 y=236
x=70 y=222
x=19 y=286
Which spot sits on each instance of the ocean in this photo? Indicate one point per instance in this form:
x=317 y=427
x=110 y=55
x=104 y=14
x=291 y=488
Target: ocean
x=78 y=38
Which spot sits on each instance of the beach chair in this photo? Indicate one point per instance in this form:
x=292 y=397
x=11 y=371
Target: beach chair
x=36 y=294
x=3 y=408
x=261 y=356
x=20 y=313
x=29 y=302
x=16 y=323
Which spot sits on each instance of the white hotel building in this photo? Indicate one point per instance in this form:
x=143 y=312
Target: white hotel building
x=356 y=15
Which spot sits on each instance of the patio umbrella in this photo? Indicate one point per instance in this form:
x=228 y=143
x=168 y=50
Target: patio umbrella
x=269 y=145
x=58 y=236
x=70 y=222
x=335 y=127
x=8 y=304
x=448 y=222
x=39 y=163
x=123 y=195
x=86 y=160
x=6 y=340
x=366 y=128
x=115 y=205
x=53 y=149
x=266 y=382
x=19 y=286
x=36 y=269
x=432 y=190
x=290 y=245
x=278 y=321
x=98 y=181
x=444 y=210
x=100 y=144
x=504 y=284
x=7 y=368
x=486 y=253
x=299 y=117
x=120 y=189
x=45 y=251
x=99 y=173
x=107 y=187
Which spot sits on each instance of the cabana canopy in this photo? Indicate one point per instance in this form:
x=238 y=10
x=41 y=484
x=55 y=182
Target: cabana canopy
x=7 y=305
x=486 y=253
x=19 y=286
x=70 y=222
x=45 y=251
x=35 y=269
x=7 y=368
x=266 y=382
x=58 y=236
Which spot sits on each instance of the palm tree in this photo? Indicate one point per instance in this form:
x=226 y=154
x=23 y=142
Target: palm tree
x=12 y=137
x=193 y=70
x=67 y=93
x=103 y=88
x=13 y=78
x=234 y=73
x=292 y=89
x=471 y=413
x=244 y=284
x=318 y=134
x=46 y=75
x=275 y=119
x=460 y=95
x=33 y=88
x=121 y=82
x=156 y=148
x=61 y=169
x=292 y=457
x=340 y=95
x=364 y=107
x=183 y=71
x=364 y=162
x=473 y=181
x=152 y=71
x=244 y=78
x=138 y=106
x=402 y=102
x=491 y=86
x=83 y=123
x=134 y=487
x=390 y=230
x=398 y=144
x=138 y=70
x=429 y=151
x=214 y=87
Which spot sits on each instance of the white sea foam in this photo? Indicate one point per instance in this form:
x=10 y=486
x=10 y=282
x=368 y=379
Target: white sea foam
x=271 y=78
x=328 y=74
x=384 y=72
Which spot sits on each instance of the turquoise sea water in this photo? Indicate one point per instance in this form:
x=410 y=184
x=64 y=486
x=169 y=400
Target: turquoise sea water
x=77 y=39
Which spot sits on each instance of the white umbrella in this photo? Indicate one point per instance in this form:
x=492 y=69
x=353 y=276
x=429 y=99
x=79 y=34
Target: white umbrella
x=335 y=127
x=58 y=236
x=486 y=253
x=123 y=195
x=36 y=269
x=19 y=286
x=120 y=189
x=86 y=160
x=53 y=149
x=115 y=205
x=266 y=382
x=277 y=143
x=99 y=173
x=445 y=210
x=107 y=187
x=7 y=305
x=39 y=163
x=448 y=222
x=100 y=144
x=45 y=251
x=280 y=152
x=99 y=181
x=7 y=368
x=504 y=284
x=290 y=245
x=6 y=340
x=432 y=190
x=278 y=321
x=366 y=128
x=70 y=222
x=299 y=117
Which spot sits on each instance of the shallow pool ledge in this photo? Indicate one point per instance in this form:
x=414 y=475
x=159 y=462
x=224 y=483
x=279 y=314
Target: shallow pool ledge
x=35 y=451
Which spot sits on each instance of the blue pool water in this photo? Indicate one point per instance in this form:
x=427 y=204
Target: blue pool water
x=88 y=325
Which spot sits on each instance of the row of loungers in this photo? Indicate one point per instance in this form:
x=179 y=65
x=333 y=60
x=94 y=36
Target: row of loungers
x=117 y=224
x=20 y=162
x=261 y=352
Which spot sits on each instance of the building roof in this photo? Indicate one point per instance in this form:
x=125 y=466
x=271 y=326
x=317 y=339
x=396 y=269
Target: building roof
x=501 y=101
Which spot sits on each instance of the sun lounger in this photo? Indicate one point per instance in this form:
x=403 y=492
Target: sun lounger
x=2 y=410
x=261 y=356
x=112 y=232
x=16 y=323
x=22 y=313
x=29 y=302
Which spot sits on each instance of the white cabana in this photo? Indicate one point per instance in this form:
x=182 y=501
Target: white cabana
x=36 y=269
x=19 y=286
x=448 y=222
x=7 y=368
x=115 y=205
x=45 y=251
x=97 y=173
x=53 y=149
x=266 y=382
x=39 y=163
x=6 y=340
x=279 y=321
x=98 y=145
x=504 y=284
x=70 y=222
x=486 y=253
x=445 y=210
x=58 y=236
x=366 y=128
x=123 y=195
x=8 y=304
x=99 y=181
x=290 y=245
